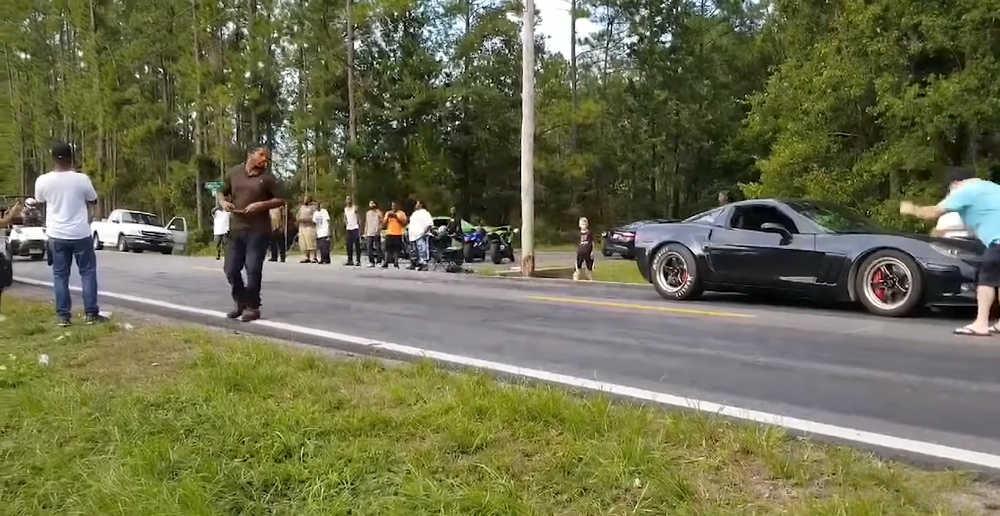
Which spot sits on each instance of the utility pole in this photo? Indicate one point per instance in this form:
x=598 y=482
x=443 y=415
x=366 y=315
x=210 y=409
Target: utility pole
x=352 y=116
x=575 y=129
x=528 y=140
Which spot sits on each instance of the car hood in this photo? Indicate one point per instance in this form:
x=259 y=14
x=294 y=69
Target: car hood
x=961 y=244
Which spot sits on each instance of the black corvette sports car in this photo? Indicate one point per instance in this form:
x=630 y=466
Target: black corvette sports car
x=805 y=249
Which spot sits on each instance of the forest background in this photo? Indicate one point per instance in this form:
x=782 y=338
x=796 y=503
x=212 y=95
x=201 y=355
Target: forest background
x=665 y=104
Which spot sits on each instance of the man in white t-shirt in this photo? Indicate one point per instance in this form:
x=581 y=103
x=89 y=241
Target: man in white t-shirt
x=321 y=218
x=220 y=230
x=353 y=233
x=950 y=225
x=419 y=231
x=66 y=194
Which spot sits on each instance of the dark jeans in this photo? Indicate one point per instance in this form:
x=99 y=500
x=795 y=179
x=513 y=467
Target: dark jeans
x=374 y=248
x=353 y=245
x=246 y=250
x=220 y=244
x=277 y=245
x=323 y=245
x=62 y=254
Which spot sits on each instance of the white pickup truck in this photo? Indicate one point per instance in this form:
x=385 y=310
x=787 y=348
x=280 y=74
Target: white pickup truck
x=138 y=231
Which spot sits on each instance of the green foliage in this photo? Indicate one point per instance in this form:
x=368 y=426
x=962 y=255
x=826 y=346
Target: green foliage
x=854 y=101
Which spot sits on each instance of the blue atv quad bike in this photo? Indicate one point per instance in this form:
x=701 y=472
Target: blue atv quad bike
x=474 y=245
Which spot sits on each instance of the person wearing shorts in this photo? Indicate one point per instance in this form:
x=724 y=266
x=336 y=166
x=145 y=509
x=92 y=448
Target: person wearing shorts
x=220 y=230
x=978 y=203
x=395 y=224
x=585 y=252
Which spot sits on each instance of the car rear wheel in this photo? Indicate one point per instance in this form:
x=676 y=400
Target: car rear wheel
x=97 y=243
x=674 y=273
x=889 y=283
x=606 y=253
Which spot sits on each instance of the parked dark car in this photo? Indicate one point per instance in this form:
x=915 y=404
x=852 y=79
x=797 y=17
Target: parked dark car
x=806 y=249
x=620 y=240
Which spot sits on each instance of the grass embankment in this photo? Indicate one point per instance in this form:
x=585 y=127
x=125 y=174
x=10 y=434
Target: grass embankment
x=168 y=420
x=608 y=269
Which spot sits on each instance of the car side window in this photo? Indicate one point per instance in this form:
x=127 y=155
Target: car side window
x=751 y=218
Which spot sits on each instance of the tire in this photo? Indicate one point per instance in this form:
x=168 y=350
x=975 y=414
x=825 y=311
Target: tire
x=122 y=245
x=885 y=275
x=167 y=251
x=606 y=253
x=467 y=252
x=675 y=285
x=37 y=257
x=137 y=251
x=97 y=243
x=495 y=253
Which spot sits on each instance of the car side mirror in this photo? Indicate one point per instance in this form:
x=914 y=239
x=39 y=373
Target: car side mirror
x=115 y=221
x=771 y=227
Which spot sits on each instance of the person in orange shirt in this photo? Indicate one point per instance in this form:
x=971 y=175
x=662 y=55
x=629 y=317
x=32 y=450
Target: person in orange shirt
x=395 y=224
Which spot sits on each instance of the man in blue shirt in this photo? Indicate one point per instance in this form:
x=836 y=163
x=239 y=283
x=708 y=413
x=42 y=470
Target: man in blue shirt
x=978 y=203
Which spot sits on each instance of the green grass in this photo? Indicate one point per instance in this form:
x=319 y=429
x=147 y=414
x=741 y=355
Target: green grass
x=163 y=420
x=621 y=271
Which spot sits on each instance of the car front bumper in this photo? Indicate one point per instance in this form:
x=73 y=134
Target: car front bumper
x=142 y=243
x=27 y=247
x=950 y=285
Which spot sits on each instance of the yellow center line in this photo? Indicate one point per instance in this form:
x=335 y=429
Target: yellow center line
x=651 y=308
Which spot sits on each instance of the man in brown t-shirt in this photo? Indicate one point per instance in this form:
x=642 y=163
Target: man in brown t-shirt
x=249 y=192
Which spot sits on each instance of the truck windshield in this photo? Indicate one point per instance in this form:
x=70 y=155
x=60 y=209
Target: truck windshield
x=134 y=217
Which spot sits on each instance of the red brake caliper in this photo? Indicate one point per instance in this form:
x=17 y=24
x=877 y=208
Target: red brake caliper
x=877 y=286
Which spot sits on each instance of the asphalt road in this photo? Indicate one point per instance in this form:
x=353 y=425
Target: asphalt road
x=907 y=378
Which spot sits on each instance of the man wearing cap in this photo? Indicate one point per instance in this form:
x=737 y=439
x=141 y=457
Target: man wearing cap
x=249 y=192
x=66 y=194
x=978 y=204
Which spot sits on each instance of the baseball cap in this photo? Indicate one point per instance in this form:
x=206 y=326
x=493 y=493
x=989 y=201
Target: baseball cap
x=62 y=151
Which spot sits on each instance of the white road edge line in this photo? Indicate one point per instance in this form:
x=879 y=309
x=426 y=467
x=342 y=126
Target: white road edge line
x=801 y=425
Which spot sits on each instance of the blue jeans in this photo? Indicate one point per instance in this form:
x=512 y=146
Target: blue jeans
x=247 y=250
x=62 y=253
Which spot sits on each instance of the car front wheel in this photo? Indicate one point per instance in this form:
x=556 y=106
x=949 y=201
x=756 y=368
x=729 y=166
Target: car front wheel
x=889 y=283
x=674 y=273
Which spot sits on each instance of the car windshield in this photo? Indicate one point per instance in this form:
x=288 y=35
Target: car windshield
x=836 y=218
x=134 y=217
x=705 y=217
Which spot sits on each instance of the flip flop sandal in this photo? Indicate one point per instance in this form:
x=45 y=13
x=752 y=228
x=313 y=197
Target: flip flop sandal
x=969 y=332
x=995 y=329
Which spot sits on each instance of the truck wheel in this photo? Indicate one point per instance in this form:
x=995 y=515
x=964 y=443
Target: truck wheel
x=97 y=243
x=122 y=245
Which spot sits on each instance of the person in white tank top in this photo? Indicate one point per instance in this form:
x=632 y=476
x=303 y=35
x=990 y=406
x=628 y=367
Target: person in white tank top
x=353 y=233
